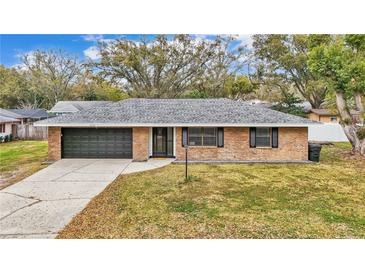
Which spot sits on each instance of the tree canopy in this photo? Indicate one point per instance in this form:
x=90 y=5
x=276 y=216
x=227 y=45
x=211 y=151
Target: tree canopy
x=342 y=66
x=46 y=77
x=168 y=68
x=283 y=59
x=13 y=88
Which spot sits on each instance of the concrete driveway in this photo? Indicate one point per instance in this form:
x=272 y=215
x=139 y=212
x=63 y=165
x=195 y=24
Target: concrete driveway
x=42 y=204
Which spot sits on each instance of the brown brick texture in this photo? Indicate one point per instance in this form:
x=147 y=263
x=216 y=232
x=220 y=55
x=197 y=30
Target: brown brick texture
x=140 y=143
x=54 y=143
x=293 y=146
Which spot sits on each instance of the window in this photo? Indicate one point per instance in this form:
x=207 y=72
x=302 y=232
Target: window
x=2 y=128
x=263 y=137
x=202 y=136
x=334 y=119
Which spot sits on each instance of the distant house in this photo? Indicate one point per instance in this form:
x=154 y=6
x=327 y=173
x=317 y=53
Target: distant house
x=30 y=115
x=328 y=116
x=8 y=121
x=259 y=103
x=10 y=114
x=19 y=123
x=64 y=107
x=305 y=105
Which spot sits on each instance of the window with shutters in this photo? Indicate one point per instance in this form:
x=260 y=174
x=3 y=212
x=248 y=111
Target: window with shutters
x=202 y=136
x=263 y=137
x=2 y=128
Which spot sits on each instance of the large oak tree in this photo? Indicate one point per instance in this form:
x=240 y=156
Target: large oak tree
x=51 y=75
x=14 y=89
x=168 y=68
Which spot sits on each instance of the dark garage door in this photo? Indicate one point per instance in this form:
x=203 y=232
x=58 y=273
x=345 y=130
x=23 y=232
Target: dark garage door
x=97 y=143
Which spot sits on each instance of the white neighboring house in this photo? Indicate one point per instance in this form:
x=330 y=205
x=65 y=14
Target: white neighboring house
x=65 y=107
x=6 y=125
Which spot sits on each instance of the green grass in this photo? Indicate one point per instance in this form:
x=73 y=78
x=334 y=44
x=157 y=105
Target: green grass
x=323 y=200
x=20 y=159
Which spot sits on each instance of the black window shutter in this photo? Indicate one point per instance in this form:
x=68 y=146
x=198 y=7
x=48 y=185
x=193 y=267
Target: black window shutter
x=275 y=137
x=252 y=137
x=220 y=137
x=184 y=136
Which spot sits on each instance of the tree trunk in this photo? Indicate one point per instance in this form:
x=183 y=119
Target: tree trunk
x=349 y=126
x=342 y=108
x=360 y=107
x=358 y=146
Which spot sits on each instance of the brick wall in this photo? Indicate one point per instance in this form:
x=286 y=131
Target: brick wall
x=293 y=145
x=140 y=143
x=54 y=143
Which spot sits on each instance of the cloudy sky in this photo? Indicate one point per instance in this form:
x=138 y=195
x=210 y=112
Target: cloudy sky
x=83 y=46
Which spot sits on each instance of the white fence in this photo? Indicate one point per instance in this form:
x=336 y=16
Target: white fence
x=30 y=132
x=326 y=133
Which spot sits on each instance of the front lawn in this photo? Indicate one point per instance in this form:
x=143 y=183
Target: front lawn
x=323 y=200
x=19 y=159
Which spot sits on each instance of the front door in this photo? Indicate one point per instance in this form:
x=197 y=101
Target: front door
x=160 y=141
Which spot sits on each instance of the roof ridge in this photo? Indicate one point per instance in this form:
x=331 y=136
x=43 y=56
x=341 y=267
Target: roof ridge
x=180 y=111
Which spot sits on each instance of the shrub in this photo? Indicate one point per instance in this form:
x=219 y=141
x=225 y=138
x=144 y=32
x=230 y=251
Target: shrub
x=1 y=139
x=10 y=137
x=6 y=138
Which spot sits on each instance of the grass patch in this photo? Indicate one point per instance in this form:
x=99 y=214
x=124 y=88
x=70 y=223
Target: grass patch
x=322 y=200
x=185 y=207
x=19 y=159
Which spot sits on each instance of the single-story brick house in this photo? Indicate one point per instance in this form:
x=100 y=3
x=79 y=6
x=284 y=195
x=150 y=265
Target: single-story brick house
x=213 y=129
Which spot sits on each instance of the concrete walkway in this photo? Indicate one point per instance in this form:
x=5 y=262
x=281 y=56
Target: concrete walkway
x=42 y=204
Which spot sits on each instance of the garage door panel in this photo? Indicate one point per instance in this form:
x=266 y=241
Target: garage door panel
x=96 y=143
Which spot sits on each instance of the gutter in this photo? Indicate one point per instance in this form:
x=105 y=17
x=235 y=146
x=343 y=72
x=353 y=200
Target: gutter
x=123 y=125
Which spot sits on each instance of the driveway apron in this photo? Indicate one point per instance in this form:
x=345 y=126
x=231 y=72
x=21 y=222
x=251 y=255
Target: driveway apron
x=42 y=204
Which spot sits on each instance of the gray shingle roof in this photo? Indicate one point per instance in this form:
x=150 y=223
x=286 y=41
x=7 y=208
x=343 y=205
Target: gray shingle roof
x=75 y=106
x=37 y=113
x=7 y=119
x=327 y=112
x=177 y=112
x=7 y=113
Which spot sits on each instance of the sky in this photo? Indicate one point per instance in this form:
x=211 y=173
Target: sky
x=82 y=45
